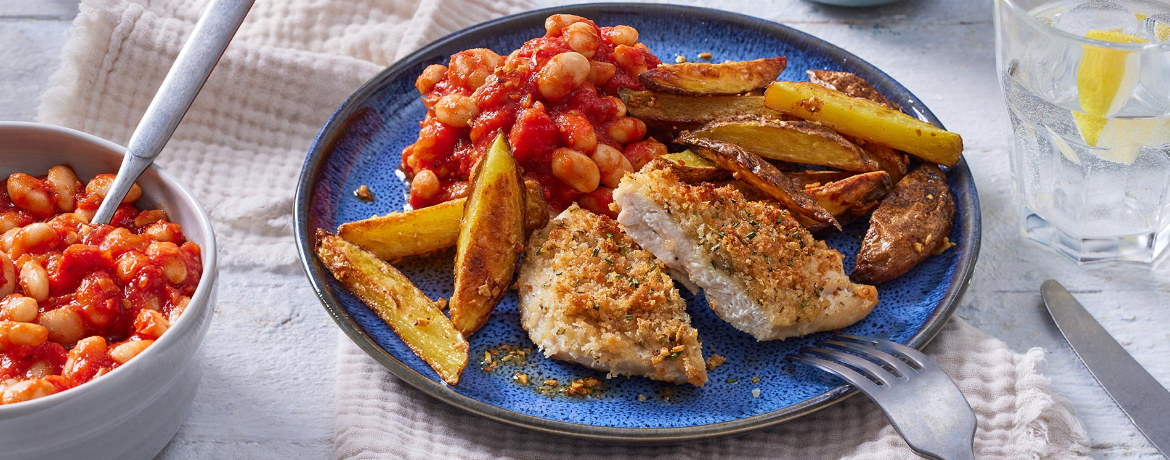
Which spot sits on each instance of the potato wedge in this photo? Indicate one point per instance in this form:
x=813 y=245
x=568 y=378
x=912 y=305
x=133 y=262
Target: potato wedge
x=812 y=179
x=760 y=174
x=849 y=198
x=674 y=112
x=410 y=233
x=692 y=168
x=909 y=224
x=491 y=237
x=865 y=119
x=889 y=160
x=851 y=85
x=417 y=320
x=698 y=78
x=434 y=228
x=792 y=141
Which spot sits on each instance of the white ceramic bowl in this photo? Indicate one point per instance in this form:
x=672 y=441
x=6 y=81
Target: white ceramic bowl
x=134 y=411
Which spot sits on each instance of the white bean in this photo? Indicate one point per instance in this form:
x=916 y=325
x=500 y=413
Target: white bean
x=64 y=183
x=18 y=308
x=562 y=74
x=34 y=281
x=64 y=325
x=7 y=275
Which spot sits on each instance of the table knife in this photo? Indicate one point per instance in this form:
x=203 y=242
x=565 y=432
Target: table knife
x=1141 y=397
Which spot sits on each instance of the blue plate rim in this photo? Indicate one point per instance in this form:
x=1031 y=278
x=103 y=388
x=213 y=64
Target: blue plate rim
x=318 y=275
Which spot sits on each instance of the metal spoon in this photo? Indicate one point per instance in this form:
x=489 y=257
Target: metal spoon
x=198 y=57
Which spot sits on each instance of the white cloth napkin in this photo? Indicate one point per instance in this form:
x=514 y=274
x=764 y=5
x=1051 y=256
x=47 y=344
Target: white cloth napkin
x=240 y=149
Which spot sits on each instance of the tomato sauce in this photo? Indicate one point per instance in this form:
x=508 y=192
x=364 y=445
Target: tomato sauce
x=510 y=102
x=107 y=286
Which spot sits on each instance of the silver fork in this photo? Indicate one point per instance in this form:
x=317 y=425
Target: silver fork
x=920 y=400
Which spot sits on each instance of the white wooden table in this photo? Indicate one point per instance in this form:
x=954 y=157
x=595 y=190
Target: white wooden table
x=269 y=385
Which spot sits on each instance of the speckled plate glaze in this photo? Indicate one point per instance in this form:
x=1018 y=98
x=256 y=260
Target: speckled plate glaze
x=361 y=145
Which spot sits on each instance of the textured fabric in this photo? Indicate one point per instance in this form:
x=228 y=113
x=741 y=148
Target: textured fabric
x=240 y=148
x=1019 y=418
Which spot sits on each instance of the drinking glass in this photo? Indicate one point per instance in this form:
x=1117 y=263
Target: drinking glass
x=1087 y=85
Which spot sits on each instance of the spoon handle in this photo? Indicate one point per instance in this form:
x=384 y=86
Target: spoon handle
x=198 y=57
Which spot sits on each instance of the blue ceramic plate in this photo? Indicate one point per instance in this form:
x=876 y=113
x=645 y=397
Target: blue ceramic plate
x=361 y=145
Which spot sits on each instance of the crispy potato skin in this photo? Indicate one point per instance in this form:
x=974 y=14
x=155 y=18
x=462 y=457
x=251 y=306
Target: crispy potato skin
x=410 y=233
x=433 y=228
x=673 y=112
x=811 y=179
x=491 y=238
x=692 y=168
x=866 y=120
x=409 y=312
x=760 y=174
x=909 y=224
x=849 y=198
x=698 y=79
x=792 y=141
x=851 y=85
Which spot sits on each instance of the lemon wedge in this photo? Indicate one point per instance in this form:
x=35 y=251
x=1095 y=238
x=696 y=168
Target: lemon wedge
x=1105 y=79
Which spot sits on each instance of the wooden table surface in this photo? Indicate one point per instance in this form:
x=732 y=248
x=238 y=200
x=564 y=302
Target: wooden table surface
x=254 y=403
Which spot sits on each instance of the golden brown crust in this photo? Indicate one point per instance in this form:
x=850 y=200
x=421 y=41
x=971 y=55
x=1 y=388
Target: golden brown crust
x=909 y=224
x=618 y=294
x=697 y=79
x=763 y=244
x=491 y=238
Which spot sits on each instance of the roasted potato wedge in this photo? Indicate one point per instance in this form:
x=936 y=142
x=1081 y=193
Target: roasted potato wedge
x=410 y=233
x=811 y=179
x=865 y=119
x=851 y=85
x=848 y=198
x=792 y=141
x=433 y=228
x=909 y=224
x=699 y=79
x=674 y=112
x=889 y=160
x=691 y=167
x=491 y=237
x=417 y=320
x=760 y=174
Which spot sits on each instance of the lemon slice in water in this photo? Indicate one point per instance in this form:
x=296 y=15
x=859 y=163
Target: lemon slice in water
x=1105 y=80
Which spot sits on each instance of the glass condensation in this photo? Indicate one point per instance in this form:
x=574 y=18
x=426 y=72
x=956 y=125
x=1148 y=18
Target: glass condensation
x=1087 y=85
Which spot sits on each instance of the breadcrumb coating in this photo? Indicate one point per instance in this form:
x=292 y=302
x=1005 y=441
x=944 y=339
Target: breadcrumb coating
x=589 y=294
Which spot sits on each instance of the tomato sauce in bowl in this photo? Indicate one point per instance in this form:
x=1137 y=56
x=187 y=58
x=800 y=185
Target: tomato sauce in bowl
x=554 y=99
x=79 y=300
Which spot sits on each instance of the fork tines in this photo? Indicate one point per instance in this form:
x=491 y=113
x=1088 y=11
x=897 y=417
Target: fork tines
x=868 y=363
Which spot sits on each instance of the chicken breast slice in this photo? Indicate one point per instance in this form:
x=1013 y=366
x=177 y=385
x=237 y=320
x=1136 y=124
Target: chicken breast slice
x=590 y=295
x=760 y=270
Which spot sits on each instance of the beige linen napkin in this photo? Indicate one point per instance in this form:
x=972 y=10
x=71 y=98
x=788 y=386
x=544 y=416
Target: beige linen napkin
x=240 y=149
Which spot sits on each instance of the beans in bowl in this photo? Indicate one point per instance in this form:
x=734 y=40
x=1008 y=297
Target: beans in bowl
x=79 y=300
x=555 y=99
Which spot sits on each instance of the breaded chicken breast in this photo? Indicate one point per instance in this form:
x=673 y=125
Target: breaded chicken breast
x=590 y=295
x=761 y=271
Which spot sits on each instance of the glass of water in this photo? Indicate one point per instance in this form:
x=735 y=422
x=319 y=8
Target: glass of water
x=1087 y=85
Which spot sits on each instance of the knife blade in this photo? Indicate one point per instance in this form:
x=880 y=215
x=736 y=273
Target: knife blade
x=1141 y=397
